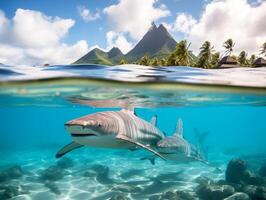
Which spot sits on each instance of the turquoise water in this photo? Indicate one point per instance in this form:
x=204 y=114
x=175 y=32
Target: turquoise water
x=33 y=114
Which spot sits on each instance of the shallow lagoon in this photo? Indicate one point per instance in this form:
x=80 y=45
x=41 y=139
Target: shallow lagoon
x=36 y=102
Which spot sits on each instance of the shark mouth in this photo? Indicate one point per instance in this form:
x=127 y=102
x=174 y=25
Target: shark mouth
x=82 y=134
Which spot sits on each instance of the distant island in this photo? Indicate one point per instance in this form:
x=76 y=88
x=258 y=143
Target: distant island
x=159 y=48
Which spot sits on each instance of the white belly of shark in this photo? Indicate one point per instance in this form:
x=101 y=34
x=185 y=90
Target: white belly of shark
x=113 y=129
x=103 y=142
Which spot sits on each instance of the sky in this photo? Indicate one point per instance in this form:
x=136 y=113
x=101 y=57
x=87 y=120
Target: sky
x=35 y=32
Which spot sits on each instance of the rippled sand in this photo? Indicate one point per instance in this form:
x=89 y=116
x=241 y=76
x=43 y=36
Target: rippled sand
x=101 y=174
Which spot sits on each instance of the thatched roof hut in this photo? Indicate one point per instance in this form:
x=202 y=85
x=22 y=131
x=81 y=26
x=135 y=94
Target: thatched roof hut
x=259 y=62
x=227 y=61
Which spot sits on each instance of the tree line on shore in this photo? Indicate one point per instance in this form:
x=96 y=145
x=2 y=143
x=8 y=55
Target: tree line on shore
x=207 y=58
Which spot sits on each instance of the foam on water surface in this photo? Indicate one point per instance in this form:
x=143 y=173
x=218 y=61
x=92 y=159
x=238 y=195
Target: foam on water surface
x=243 y=76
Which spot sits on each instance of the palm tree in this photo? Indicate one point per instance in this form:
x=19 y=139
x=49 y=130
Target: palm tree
x=123 y=61
x=171 y=60
x=154 y=62
x=251 y=59
x=242 y=58
x=162 y=62
x=182 y=54
x=229 y=45
x=144 y=60
x=263 y=49
x=215 y=59
x=205 y=55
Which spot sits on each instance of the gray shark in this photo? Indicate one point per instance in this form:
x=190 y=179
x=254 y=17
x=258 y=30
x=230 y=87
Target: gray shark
x=176 y=148
x=113 y=129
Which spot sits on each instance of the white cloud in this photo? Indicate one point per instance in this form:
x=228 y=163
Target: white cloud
x=236 y=19
x=3 y=19
x=62 y=53
x=11 y=54
x=43 y=30
x=87 y=15
x=135 y=17
x=33 y=38
x=3 y=25
x=183 y=23
x=117 y=40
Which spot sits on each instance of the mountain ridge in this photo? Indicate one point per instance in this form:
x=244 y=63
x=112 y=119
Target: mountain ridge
x=147 y=46
x=157 y=42
x=98 y=56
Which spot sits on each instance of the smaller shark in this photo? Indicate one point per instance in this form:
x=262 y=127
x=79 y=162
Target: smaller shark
x=176 y=148
x=113 y=129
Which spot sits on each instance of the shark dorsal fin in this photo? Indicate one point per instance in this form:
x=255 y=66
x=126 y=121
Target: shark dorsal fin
x=129 y=109
x=153 y=120
x=179 y=128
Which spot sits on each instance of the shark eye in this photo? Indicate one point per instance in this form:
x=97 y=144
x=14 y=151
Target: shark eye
x=99 y=125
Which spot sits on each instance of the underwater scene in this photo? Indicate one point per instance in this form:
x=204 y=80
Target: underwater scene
x=99 y=132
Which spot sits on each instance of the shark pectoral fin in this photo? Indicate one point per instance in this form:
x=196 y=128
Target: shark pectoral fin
x=150 y=158
x=130 y=140
x=71 y=146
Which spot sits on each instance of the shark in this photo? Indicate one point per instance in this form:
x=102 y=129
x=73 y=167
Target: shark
x=113 y=129
x=177 y=148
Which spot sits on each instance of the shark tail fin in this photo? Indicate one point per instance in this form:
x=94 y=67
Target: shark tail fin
x=179 y=128
x=201 y=144
x=150 y=158
x=154 y=120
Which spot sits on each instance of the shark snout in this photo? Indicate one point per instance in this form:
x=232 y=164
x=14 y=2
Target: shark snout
x=82 y=123
x=80 y=128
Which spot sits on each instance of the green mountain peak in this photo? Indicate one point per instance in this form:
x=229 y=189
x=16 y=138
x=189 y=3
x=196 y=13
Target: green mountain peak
x=157 y=42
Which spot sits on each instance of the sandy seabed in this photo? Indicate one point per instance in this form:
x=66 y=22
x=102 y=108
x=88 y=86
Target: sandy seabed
x=101 y=174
